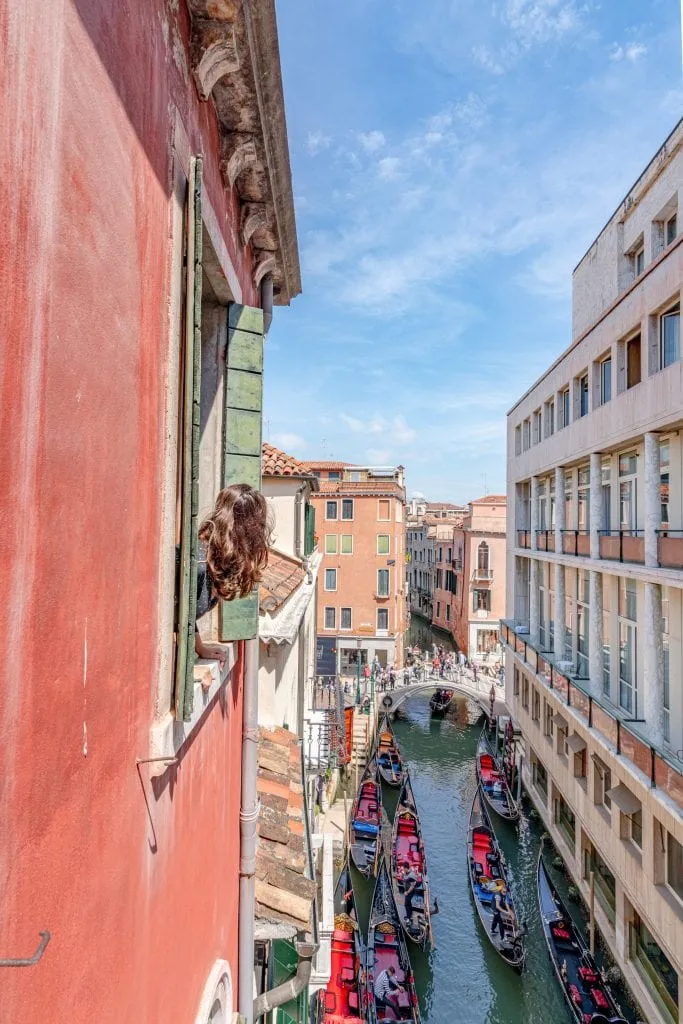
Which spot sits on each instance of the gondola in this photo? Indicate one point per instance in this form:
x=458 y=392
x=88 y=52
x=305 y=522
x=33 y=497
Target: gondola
x=440 y=701
x=342 y=1001
x=493 y=782
x=488 y=877
x=387 y=947
x=589 y=999
x=389 y=761
x=366 y=822
x=407 y=848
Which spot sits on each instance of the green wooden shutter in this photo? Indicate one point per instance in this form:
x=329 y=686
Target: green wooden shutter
x=242 y=423
x=187 y=596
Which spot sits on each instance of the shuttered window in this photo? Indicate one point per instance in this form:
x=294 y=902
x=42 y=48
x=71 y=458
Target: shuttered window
x=242 y=428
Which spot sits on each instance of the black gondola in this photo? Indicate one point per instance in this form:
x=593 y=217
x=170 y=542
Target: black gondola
x=493 y=782
x=488 y=880
x=407 y=849
x=365 y=826
x=387 y=947
x=440 y=701
x=389 y=760
x=589 y=999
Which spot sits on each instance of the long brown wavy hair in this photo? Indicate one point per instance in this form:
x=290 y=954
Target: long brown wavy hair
x=236 y=536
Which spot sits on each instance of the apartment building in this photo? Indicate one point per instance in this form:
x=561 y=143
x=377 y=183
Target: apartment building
x=361 y=535
x=478 y=580
x=444 y=576
x=595 y=579
x=420 y=534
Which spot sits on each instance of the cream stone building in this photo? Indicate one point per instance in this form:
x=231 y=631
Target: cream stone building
x=595 y=580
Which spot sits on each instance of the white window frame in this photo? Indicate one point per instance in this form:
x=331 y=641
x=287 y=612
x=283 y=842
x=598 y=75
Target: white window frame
x=331 y=519
x=341 y=618
x=330 y=608
x=603 y=363
x=343 y=553
x=674 y=312
x=331 y=590
x=671 y=220
x=347 y=519
x=388 y=538
x=380 y=518
x=384 y=612
x=388 y=591
x=335 y=538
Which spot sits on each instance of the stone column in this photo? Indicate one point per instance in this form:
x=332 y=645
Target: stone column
x=533 y=512
x=596 y=523
x=652 y=498
x=534 y=599
x=559 y=508
x=559 y=611
x=595 y=629
x=650 y=701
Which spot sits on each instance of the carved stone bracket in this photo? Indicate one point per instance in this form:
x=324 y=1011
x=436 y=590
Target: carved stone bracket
x=267 y=264
x=242 y=157
x=215 y=56
x=254 y=216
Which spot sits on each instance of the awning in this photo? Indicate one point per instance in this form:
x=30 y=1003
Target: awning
x=560 y=721
x=622 y=796
x=575 y=743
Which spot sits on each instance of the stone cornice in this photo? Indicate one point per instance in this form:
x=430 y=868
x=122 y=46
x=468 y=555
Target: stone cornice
x=236 y=63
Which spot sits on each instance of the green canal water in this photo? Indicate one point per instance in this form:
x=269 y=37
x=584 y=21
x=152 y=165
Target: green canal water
x=463 y=980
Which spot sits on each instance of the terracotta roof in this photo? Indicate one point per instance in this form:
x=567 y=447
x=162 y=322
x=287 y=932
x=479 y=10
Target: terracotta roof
x=284 y=893
x=280 y=579
x=490 y=499
x=322 y=464
x=444 y=505
x=277 y=463
x=361 y=487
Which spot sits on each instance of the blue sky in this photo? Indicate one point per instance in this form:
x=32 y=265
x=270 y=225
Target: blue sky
x=452 y=161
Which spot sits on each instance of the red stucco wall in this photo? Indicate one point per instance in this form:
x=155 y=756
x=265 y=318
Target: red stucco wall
x=85 y=163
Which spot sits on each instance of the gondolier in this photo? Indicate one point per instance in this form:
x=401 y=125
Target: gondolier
x=387 y=987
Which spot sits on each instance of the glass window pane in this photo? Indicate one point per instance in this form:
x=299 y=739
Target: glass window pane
x=330 y=544
x=383 y=544
x=383 y=582
x=347 y=544
x=331 y=510
x=330 y=579
x=329 y=618
x=347 y=508
x=346 y=618
x=670 y=338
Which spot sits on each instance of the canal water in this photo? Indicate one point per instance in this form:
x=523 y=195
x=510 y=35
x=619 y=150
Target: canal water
x=463 y=980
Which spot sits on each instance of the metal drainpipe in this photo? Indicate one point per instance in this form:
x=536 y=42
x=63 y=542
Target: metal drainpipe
x=267 y=302
x=298 y=549
x=249 y=809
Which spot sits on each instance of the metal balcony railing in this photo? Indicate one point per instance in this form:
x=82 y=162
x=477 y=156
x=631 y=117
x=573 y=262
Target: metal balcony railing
x=622 y=546
x=670 y=548
x=576 y=542
x=482 y=574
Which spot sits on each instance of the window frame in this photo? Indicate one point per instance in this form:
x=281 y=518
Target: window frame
x=331 y=590
x=347 y=519
x=674 y=312
x=327 y=609
x=345 y=537
x=388 y=579
x=384 y=612
x=341 y=618
x=382 y=536
x=332 y=537
x=380 y=503
x=329 y=502
x=604 y=399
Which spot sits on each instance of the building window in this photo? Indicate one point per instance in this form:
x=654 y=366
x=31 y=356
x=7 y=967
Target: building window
x=655 y=969
x=550 y=417
x=383 y=544
x=448 y=613
x=330 y=543
x=631 y=827
x=582 y=624
x=633 y=361
x=347 y=544
x=540 y=779
x=674 y=865
x=330 y=618
x=384 y=510
x=606 y=639
x=669 y=337
x=355 y=476
x=628 y=479
x=487 y=640
x=638 y=261
x=518 y=440
x=334 y=475
x=330 y=579
x=628 y=689
x=671 y=229
x=481 y=600
x=345 y=618
x=383 y=583
x=583 y=394
x=483 y=569
x=535 y=705
x=537 y=426
x=602 y=783
x=330 y=510
x=566 y=820
x=564 y=408
x=515 y=683
x=347 y=508
x=605 y=380
x=526 y=435
x=583 y=495
x=666 y=683
x=525 y=693
x=382 y=618
x=579 y=761
x=547 y=719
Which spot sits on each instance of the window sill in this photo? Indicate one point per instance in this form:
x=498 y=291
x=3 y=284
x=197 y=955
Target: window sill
x=168 y=735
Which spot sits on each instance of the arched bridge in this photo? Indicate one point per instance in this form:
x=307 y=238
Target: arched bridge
x=464 y=683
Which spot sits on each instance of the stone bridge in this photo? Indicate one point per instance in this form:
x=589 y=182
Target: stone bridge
x=463 y=683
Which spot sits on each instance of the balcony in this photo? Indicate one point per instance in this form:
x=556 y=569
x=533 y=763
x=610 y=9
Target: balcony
x=576 y=542
x=481 y=575
x=663 y=769
x=524 y=539
x=622 y=546
x=670 y=549
x=456 y=565
x=545 y=540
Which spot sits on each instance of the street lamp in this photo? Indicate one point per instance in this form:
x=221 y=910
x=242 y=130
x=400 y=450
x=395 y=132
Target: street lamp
x=358 y=646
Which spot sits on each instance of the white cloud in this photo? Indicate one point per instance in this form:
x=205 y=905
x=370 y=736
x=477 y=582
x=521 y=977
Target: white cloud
x=483 y=56
x=631 y=52
x=396 y=428
x=371 y=141
x=536 y=22
x=290 y=443
x=388 y=168
x=317 y=141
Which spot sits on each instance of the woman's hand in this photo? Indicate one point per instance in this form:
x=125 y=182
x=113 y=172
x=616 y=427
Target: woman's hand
x=211 y=651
